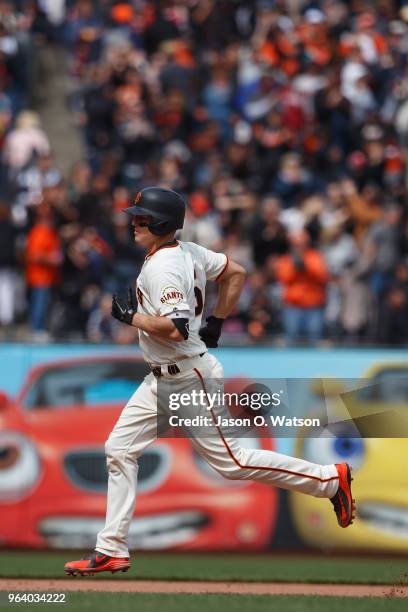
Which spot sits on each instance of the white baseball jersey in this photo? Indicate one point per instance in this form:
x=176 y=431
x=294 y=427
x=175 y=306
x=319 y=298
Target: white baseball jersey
x=172 y=284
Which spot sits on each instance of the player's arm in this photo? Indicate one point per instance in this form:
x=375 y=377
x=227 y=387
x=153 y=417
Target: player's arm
x=161 y=326
x=230 y=285
x=164 y=327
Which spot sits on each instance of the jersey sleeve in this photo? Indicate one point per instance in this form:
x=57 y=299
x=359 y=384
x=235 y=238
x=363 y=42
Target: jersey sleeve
x=168 y=295
x=214 y=264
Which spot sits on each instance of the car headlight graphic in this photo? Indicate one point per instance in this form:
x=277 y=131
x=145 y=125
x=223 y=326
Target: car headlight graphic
x=335 y=449
x=19 y=466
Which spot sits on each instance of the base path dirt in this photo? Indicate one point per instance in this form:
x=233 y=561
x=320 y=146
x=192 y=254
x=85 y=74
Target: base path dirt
x=163 y=586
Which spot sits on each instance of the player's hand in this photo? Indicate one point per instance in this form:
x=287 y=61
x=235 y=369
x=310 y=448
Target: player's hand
x=211 y=332
x=124 y=310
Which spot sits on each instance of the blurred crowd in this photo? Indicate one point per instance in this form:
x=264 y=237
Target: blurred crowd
x=283 y=122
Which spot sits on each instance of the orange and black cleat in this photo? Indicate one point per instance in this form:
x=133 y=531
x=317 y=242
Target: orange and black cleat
x=96 y=562
x=343 y=502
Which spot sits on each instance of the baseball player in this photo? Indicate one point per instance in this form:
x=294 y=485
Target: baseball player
x=170 y=293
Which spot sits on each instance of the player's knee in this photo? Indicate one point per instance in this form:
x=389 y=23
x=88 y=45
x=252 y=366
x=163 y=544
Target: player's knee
x=232 y=474
x=112 y=451
x=229 y=471
x=117 y=456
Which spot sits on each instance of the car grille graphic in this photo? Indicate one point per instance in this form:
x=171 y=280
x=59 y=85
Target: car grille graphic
x=87 y=469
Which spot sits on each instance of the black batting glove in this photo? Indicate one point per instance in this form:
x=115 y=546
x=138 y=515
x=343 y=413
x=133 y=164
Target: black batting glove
x=211 y=332
x=124 y=310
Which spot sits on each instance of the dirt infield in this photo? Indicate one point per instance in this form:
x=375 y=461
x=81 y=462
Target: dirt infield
x=160 y=586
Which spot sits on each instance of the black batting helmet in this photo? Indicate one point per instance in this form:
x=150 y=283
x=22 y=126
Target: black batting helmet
x=166 y=208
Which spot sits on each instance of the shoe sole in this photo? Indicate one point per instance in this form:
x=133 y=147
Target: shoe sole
x=353 y=501
x=76 y=572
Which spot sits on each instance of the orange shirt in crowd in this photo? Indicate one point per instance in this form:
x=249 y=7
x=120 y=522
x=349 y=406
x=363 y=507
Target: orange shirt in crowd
x=303 y=288
x=43 y=256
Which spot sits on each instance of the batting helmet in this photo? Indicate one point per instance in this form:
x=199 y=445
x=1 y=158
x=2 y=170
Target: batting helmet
x=166 y=208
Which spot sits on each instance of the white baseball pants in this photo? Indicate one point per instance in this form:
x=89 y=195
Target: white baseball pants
x=136 y=428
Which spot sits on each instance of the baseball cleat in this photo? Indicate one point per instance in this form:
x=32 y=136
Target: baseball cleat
x=96 y=562
x=343 y=502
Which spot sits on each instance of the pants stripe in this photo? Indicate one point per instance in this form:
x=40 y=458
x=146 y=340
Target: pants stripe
x=254 y=467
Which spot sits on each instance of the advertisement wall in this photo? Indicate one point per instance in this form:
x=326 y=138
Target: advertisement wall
x=58 y=404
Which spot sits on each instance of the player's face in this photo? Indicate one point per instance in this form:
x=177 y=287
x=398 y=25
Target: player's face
x=142 y=234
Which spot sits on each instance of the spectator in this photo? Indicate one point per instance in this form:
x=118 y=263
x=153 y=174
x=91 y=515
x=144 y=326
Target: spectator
x=393 y=328
x=24 y=141
x=30 y=181
x=304 y=276
x=356 y=87
x=202 y=224
x=43 y=264
x=340 y=252
x=5 y=115
x=237 y=248
x=7 y=266
x=357 y=302
x=101 y=327
x=268 y=235
x=293 y=181
x=364 y=208
x=384 y=240
x=259 y=309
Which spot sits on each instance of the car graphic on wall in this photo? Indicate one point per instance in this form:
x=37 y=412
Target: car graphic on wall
x=53 y=477
x=380 y=476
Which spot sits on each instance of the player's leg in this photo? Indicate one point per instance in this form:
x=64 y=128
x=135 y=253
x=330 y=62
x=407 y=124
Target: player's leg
x=135 y=429
x=233 y=461
x=226 y=455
